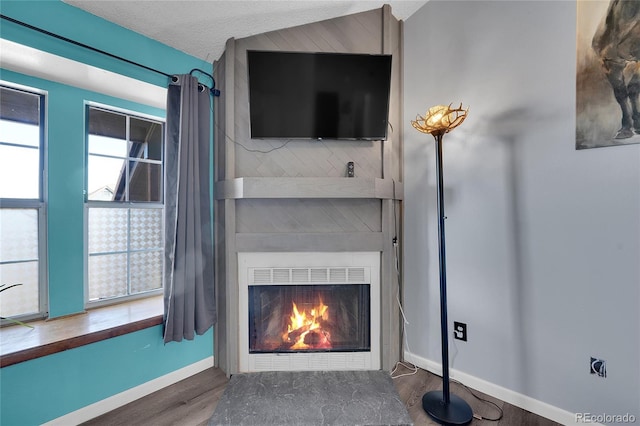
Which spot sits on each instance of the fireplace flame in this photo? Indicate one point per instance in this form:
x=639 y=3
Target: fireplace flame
x=305 y=331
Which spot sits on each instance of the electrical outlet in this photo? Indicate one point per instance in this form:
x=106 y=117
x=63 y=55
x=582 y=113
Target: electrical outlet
x=598 y=366
x=460 y=331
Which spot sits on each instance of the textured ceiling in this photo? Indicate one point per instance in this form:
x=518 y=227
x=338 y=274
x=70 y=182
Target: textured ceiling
x=201 y=28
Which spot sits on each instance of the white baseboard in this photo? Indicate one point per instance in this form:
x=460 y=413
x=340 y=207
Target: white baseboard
x=514 y=398
x=104 y=406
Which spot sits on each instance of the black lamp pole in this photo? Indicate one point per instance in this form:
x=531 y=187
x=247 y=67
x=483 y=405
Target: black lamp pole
x=443 y=407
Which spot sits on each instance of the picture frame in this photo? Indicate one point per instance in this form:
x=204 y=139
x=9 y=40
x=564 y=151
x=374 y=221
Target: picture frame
x=607 y=73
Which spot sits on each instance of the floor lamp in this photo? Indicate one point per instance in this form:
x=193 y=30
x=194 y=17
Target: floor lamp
x=442 y=406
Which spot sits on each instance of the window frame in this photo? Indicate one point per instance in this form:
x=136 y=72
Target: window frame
x=127 y=204
x=39 y=204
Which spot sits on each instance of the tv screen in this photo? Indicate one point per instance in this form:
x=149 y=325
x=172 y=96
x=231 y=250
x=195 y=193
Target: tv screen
x=299 y=95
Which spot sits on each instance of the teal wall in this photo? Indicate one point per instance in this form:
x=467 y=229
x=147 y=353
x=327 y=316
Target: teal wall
x=45 y=388
x=75 y=24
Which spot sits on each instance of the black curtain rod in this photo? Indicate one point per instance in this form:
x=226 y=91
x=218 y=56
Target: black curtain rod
x=214 y=91
x=77 y=43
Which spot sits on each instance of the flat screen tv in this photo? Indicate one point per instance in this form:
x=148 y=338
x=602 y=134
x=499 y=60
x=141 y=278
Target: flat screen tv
x=298 y=95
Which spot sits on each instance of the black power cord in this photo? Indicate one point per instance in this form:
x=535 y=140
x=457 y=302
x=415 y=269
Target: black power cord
x=484 y=401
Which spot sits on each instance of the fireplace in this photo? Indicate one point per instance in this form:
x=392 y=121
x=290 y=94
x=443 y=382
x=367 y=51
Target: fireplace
x=309 y=318
x=309 y=311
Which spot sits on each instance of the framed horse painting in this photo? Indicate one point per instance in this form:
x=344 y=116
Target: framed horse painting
x=607 y=73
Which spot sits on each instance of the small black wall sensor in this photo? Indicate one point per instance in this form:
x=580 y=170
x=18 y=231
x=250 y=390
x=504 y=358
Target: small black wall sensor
x=351 y=169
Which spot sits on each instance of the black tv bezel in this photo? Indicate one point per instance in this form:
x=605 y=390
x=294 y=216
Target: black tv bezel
x=302 y=138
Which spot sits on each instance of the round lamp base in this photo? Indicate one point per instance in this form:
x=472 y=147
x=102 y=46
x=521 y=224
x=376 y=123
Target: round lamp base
x=456 y=412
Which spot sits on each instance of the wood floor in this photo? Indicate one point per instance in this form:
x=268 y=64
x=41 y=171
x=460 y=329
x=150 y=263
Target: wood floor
x=191 y=403
x=411 y=388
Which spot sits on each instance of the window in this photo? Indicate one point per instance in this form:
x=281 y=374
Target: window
x=125 y=211
x=22 y=203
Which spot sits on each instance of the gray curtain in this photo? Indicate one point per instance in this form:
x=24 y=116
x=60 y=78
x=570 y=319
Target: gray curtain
x=189 y=298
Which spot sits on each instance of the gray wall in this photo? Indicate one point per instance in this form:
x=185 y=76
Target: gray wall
x=542 y=240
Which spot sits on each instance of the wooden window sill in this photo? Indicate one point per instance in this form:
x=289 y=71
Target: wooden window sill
x=19 y=344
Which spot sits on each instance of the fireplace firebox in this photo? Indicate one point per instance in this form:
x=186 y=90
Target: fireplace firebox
x=309 y=318
x=309 y=311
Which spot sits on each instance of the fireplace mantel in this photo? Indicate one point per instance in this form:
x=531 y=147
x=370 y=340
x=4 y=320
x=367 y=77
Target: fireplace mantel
x=308 y=187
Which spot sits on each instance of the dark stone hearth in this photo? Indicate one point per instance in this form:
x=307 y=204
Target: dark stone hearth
x=311 y=398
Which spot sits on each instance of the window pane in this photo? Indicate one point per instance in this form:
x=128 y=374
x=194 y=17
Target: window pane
x=107 y=146
x=108 y=230
x=146 y=229
x=107 y=123
x=19 y=106
x=106 y=180
x=146 y=139
x=124 y=164
x=20 y=133
x=18 y=235
x=107 y=276
x=19 y=124
x=23 y=299
x=146 y=271
x=19 y=172
x=145 y=183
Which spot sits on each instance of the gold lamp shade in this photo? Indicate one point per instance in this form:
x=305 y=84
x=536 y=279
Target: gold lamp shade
x=440 y=119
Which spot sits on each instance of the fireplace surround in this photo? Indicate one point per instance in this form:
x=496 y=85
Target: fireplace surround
x=309 y=311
